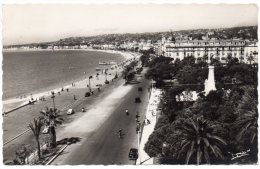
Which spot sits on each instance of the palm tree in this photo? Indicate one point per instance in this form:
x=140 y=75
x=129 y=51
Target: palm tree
x=199 y=138
x=126 y=73
x=248 y=116
x=248 y=125
x=241 y=58
x=205 y=57
x=51 y=118
x=36 y=129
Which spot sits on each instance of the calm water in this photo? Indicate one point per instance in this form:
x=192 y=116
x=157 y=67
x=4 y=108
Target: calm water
x=26 y=72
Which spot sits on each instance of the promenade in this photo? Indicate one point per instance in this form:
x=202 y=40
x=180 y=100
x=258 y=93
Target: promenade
x=150 y=122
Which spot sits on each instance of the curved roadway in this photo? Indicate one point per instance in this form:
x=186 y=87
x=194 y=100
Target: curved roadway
x=98 y=126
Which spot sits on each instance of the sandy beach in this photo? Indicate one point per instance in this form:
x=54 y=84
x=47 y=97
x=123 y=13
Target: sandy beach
x=12 y=103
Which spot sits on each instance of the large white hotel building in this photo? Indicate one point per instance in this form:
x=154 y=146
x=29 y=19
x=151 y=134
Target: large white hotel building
x=245 y=51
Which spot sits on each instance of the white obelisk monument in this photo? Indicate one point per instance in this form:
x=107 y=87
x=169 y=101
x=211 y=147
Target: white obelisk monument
x=210 y=82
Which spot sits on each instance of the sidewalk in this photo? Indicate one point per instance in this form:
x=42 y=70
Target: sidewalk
x=150 y=121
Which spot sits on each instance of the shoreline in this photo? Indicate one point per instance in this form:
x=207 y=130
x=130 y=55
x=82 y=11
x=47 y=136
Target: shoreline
x=37 y=95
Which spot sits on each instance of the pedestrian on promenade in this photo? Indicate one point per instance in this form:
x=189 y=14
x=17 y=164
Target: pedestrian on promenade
x=67 y=89
x=75 y=97
x=92 y=92
x=97 y=76
x=137 y=129
x=59 y=93
x=99 y=89
x=62 y=89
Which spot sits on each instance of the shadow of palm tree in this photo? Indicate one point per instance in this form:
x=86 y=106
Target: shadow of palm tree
x=69 y=141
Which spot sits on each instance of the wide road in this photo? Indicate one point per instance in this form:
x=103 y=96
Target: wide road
x=97 y=128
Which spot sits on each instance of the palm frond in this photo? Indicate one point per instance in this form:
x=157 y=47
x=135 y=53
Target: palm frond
x=213 y=150
x=194 y=125
x=218 y=151
x=217 y=138
x=190 y=152
x=198 y=155
x=206 y=154
x=206 y=141
x=182 y=149
x=252 y=138
x=241 y=133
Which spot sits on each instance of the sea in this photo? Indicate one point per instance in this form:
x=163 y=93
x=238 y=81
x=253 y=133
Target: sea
x=31 y=72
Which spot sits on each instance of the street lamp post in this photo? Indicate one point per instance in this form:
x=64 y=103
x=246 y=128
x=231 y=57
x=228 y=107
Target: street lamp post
x=138 y=144
x=106 y=74
x=89 y=85
x=149 y=91
x=53 y=96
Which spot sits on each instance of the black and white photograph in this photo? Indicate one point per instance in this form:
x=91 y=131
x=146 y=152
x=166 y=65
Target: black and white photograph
x=131 y=83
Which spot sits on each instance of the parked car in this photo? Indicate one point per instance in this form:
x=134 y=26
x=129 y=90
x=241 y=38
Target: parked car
x=98 y=85
x=133 y=154
x=70 y=112
x=46 y=130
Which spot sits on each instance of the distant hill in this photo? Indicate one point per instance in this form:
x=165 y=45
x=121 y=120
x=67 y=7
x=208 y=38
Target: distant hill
x=245 y=32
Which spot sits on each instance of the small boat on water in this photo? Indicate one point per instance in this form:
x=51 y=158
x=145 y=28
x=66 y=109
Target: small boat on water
x=113 y=63
x=98 y=69
x=104 y=63
x=107 y=63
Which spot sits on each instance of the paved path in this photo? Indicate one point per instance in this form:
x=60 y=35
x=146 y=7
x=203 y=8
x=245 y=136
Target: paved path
x=99 y=144
x=151 y=113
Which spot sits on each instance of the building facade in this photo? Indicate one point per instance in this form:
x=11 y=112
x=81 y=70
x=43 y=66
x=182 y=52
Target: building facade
x=207 y=49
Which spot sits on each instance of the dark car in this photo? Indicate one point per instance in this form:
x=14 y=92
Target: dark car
x=87 y=94
x=137 y=100
x=133 y=154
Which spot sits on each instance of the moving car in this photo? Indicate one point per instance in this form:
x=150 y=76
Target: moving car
x=70 y=112
x=137 y=100
x=133 y=154
x=87 y=94
x=140 y=89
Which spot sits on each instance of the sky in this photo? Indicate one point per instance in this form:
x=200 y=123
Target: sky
x=33 y=23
